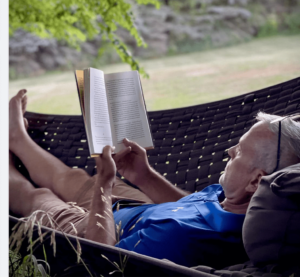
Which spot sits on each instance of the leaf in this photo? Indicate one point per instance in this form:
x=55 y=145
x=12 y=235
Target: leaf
x=47 y=265
x=100 y=225
x=53 y=242
x=30 y=246
x=137 y=244
x=112 y=272
x=139 y=219
x=75 y=24
x=99 y=215
x=17 y=225
x=116 y=265
x=79 y=250
x=73 y=227
x=131 y=228
x=42 y=270
x=105 y=257
x=107 y=214
x=45 y=255
x=35 y=264
x=40 y=231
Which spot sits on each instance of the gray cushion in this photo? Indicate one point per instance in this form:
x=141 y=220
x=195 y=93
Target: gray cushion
x=271 y=230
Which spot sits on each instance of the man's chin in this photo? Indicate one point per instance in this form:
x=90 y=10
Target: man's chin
x=221 y=179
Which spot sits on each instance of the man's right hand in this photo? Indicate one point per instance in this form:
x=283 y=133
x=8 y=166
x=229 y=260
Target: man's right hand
x=132 y=162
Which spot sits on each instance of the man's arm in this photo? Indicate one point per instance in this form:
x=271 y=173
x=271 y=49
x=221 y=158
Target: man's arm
x=101 y=225
x=159 y=189
x=132 y=163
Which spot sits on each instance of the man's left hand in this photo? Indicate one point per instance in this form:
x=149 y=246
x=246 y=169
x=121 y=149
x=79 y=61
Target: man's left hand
x=106 y=167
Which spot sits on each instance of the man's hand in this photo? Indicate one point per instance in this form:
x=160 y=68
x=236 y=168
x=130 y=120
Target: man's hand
x=101 y=225
x=132 y=162
x=106 y=167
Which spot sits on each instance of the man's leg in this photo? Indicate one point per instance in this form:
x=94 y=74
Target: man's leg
x=49 y=172
x=24 y=198
x=45 y=170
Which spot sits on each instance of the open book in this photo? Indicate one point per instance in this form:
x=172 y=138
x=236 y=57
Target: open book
x=113 y=108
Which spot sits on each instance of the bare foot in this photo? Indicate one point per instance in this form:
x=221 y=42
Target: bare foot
x=17 y=123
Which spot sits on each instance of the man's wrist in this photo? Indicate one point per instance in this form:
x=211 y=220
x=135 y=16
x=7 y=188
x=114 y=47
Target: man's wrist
x=146 y=178
x=105 y=182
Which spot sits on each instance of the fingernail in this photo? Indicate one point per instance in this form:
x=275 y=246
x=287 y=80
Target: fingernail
x=113 y=147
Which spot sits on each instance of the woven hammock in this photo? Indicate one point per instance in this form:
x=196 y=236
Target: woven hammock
x=190 y=143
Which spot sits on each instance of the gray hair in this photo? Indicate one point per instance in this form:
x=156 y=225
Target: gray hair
x=289 y=146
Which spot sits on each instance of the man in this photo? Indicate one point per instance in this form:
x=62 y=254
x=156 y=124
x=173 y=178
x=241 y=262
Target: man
x=200 y=228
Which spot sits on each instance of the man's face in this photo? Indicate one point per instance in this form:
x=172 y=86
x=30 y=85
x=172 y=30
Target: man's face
x=240 y=170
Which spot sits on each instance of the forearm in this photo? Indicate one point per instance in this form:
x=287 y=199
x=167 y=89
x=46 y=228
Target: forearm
x=159 y=189
x=101 y=225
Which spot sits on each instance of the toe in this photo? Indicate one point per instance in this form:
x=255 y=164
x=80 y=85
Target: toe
x=26 y=123
x=21 y=93
x=15 y=101
x=24 y=103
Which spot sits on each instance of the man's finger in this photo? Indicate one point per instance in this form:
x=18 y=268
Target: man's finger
x=106 y=153
x=134 y=146
x=97 y=159
x=122 y=154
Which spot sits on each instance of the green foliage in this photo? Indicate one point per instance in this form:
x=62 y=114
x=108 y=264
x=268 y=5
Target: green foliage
x=191 y=6
x=292 y=22
x=27 y=266
x=74 y=21
x=270 y=26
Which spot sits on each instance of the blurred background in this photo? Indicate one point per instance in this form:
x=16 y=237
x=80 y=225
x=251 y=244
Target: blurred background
x=197 y=51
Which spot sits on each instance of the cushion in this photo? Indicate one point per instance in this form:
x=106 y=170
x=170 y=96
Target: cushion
x=271 y=230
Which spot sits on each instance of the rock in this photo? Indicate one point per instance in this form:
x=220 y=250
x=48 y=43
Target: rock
x=229 y=12
x=204 y=22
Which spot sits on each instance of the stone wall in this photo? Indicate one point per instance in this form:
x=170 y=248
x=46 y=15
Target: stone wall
x=176 y=26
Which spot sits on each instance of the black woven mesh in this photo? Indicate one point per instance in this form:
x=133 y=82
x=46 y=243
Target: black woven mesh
x=190 y=143
x=190 y=150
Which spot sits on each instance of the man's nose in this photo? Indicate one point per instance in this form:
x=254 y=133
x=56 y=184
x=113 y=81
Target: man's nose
x=230 y=151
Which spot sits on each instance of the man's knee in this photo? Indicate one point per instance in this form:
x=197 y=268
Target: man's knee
x=41 y=193
x=38 y=198
x=78 y=172
x=73 y=175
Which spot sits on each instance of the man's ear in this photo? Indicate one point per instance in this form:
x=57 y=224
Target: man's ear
x=255 y=180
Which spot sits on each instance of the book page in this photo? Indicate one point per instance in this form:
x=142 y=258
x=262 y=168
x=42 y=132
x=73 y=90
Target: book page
x=99 y=115
x=79 y=77
x=127 y=109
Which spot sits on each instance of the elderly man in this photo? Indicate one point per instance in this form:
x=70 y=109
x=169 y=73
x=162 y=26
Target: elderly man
x=158 y=220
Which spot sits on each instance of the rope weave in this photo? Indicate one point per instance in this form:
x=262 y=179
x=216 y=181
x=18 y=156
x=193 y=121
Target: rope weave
x=190 y=143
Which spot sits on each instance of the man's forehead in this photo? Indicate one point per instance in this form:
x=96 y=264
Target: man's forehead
x=258 y=132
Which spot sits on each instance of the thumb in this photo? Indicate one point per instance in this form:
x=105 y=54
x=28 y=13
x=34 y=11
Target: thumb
x=97 y=160
x=134 y=146
x=107 y=150
x=117 y=157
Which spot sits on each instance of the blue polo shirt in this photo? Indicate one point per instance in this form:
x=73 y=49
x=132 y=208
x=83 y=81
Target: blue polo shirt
x=192 y=231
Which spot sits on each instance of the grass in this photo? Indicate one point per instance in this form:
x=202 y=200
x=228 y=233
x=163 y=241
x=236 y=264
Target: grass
x=182 y=80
